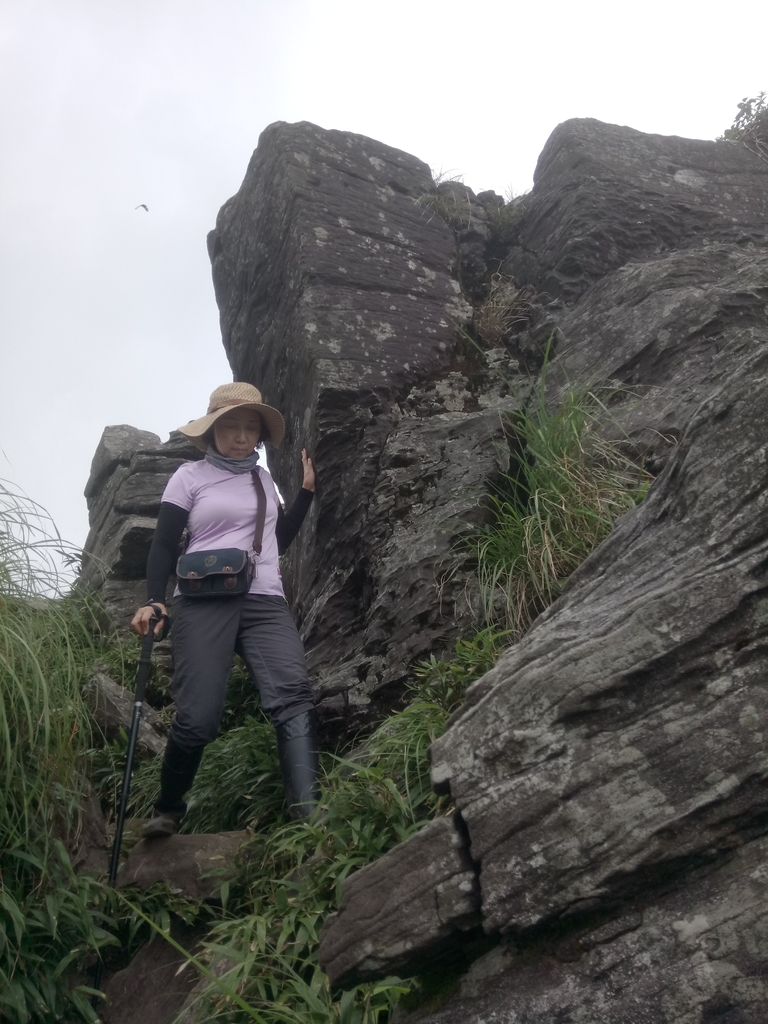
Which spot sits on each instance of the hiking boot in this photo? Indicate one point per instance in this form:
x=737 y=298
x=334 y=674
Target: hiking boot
x=299 y=764
x=165 y=823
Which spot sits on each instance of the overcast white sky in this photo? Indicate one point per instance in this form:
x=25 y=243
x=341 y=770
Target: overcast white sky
x=107 y=313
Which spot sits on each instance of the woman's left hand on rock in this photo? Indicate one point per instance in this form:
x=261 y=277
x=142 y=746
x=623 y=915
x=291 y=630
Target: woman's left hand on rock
x=309 y=472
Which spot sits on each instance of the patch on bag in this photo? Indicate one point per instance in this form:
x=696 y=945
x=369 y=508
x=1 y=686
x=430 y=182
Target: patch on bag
x=210 y=560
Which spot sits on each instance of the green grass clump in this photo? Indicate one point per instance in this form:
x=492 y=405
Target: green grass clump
x=569 y=487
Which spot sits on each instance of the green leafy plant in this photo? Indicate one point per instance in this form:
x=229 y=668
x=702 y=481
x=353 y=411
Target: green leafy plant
x=445 y=680
x=750 y=126
x=504 y=217
x=447 y=201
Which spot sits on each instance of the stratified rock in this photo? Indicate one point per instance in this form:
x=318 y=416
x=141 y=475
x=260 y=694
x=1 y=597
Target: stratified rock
x=128 y=476
x=699 y=954
x=193 y=865
x=112 y=708
x=656 y=338
x=402 y=910
x=337 y=300
x=606 y=195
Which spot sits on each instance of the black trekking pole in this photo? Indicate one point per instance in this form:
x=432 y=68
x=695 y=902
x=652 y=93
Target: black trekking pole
x=145 y=663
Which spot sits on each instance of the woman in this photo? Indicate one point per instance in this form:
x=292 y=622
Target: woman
x=216 y=500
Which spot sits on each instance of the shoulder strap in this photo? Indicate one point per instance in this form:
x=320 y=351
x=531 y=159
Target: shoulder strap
x=261 y=511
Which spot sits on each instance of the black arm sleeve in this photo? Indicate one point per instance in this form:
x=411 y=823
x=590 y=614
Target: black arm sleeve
x=165 y=548
x=289 y=523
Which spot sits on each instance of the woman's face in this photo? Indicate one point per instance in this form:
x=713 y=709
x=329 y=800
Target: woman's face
x=237 y=433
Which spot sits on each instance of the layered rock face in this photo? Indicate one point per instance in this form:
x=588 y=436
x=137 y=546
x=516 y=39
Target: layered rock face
x=610 y=773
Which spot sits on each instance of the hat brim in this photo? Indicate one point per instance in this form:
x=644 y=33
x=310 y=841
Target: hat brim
x=196 y=430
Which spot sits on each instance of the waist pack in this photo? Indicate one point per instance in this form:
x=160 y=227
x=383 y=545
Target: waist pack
x=225 y=572
x=220 y=573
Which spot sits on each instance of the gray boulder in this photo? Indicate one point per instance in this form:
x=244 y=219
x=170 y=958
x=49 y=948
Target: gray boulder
x=193 y=865
x=657 y=337
x=696 y=954
x=621 y=740
x=616 y=753
x=128 y=476
x=157 y=982
x=413 y=909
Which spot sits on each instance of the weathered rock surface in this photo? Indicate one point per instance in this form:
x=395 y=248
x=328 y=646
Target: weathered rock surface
x=112 y=708
x=411 y=910
x=662 y=335
x=610 y=771
x=696 y=955
x=622 y=739
x=193 y=865
x=128 y=475
x=606 y=195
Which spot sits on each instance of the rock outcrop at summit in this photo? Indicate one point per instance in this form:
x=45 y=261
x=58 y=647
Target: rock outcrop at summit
x=610 y=772
x=605 y=196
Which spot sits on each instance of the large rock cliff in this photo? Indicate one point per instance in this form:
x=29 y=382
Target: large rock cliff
x=609 y=775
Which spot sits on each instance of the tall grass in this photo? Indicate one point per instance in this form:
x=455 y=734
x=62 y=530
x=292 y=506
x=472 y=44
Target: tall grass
x=569 y=486
x=34 y=559
x=46 y=647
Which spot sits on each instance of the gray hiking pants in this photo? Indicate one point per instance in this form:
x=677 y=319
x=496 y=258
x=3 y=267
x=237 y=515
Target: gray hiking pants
x=205 y=634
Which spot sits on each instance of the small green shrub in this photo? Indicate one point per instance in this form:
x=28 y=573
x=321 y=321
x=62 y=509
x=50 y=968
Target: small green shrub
x=750 y=126
x=504 y=218
x=48 y=925
x=445 y=681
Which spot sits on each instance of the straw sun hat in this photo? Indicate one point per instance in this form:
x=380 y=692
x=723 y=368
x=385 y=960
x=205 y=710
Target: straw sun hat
x=230 y=396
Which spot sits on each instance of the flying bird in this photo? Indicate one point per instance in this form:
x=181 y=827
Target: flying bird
x=142 y=206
